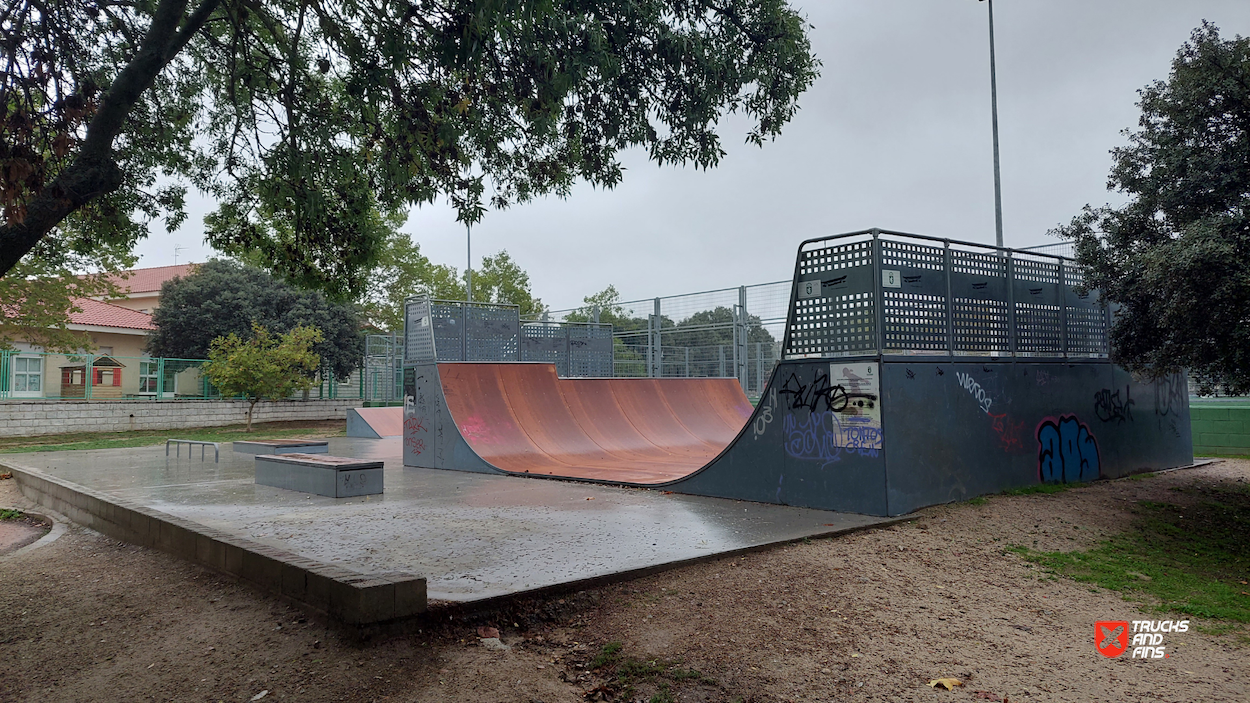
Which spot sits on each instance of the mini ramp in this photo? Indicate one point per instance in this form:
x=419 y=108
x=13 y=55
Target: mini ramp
x=522 y=418
x=914 y=371
x=375 y=423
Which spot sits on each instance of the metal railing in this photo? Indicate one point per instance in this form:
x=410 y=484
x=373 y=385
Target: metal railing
x=881 y=293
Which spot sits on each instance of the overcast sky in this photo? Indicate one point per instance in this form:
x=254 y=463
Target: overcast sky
x=894 y=134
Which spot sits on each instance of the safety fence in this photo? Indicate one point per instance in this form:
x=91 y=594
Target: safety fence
x=726 y=333
x=892 y=293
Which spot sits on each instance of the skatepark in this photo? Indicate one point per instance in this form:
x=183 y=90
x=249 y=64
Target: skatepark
x=914 y=372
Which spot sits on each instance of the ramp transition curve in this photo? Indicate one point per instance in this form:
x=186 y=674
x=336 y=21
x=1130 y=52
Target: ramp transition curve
x=524 y=419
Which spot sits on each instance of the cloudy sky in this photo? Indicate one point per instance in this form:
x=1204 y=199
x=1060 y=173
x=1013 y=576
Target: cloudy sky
x=894 y=134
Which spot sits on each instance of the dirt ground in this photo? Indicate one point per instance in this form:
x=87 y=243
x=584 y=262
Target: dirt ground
x=872 y=616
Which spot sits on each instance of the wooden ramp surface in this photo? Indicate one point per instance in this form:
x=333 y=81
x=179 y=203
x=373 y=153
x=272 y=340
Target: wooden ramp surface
x=523 y=418
x=368 y=422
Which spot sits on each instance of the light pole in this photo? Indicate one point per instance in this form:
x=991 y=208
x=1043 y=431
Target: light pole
x=468 y=237
x=998 y=183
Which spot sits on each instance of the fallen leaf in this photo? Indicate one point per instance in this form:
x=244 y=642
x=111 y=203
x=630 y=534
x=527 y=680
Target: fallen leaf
x=591 y=498
x=485 y=631
x=9 y=475
x=946 y=683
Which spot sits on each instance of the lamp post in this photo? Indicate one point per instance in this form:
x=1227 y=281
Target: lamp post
x=468 y=237
x=998 y=184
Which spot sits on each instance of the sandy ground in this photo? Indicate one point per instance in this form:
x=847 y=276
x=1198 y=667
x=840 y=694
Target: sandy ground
x=872 y=616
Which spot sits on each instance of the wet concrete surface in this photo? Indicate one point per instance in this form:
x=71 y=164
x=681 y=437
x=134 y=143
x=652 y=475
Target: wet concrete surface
x=472 y=536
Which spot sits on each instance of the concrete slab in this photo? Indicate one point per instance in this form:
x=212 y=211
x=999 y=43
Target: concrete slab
x=473 y=536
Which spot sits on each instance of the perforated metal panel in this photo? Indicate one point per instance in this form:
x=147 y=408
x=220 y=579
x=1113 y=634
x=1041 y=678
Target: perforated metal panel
x=914 y=323
x=448 y=322
x=590 y=351
x=979 y=314
x=840 y=325
x=1087 y=332
x=840 y=318
x=973 y=263
x=921 y=256
x=418 y=332
x=835 y=258
x=492 y=333
x=1039 y=329
x=981 y=327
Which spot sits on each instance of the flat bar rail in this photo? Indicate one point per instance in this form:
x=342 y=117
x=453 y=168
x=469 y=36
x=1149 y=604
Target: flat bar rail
x=191 y=443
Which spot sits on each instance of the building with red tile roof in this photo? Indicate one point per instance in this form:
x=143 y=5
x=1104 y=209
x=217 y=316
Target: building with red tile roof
x=142 y=287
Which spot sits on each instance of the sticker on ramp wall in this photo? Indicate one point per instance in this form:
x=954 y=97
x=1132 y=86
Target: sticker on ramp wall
x=863 y=392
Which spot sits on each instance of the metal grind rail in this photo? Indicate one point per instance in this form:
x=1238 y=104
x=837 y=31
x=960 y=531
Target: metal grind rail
x=191 y=444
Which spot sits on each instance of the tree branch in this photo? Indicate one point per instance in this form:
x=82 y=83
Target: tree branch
x=94 y=173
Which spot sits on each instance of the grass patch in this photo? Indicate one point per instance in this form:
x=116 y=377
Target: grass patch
x=1193 y=560
x=1046 y=488
x=624 y=674
x=8 y=514
x=978 y=500
x=144 y=438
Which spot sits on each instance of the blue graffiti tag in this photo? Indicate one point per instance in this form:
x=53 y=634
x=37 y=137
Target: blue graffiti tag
x=1066 y=451
x=823 y=438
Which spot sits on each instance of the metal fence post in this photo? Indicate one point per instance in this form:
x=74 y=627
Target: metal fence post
x=1063 y=308
x=720 y=348
x=657 y=343
x=950 y=300
x=687 y=362
x=877 y=302
x=464 y=331
x=88 y=377
x=160 y=378
x=5 y=383
x=1011 y=305
x=759 y=367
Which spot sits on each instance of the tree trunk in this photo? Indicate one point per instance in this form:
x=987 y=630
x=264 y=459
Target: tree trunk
x=94 y=172
x=250 y=409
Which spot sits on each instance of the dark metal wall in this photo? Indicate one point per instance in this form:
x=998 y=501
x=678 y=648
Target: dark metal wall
x=947 y=432
x=860 y=436
x=955 y=431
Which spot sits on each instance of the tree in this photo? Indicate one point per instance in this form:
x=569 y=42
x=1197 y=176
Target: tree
x=304 y=116
x=501 y=280
x=220 y=298
x=607 y=303
x=40 y=293
x=262 y=365
x=1176 y=257
x=402 y=270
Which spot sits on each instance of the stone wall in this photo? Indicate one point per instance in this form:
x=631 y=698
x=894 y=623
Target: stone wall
x=36 y=417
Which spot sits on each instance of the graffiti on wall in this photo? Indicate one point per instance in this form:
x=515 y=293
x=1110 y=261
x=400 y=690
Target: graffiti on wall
x=1110 y=407
x=1170 y=394
x=968 y=383
x=1067 y=451
x=823 y=437
x=1009 y=432
x=768 y=406
x=830 y=414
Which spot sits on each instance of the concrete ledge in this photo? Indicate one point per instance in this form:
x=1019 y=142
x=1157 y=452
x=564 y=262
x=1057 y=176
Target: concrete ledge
x=342 y=594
